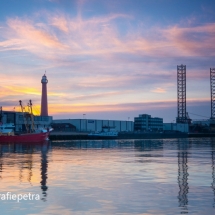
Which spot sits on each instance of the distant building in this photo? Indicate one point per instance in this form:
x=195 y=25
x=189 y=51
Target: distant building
x=90 y=125
x=63 y=127
x=18 y=119
x=176 y=127
x=147 y=123
x=202 y=126
x=204 y=122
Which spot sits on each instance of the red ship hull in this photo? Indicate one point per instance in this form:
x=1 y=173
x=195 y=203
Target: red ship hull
x=38 y=137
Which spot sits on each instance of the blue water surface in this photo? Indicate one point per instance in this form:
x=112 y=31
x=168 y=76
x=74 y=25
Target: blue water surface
x=166 y=176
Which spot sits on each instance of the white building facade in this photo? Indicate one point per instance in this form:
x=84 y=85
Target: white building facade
x=147 y=123
x=91 y=125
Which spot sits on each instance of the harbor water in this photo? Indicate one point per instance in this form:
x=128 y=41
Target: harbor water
x=162 y=176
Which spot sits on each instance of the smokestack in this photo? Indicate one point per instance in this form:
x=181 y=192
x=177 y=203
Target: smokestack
x=44 y=101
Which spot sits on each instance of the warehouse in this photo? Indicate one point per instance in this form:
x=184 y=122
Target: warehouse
x=17 y=118
x=90 y=125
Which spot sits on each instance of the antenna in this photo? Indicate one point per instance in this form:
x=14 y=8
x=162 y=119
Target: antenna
x=32 y=117
x=24 y=117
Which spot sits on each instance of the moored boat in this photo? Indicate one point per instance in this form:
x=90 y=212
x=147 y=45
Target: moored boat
x=106 y=132
x=29 y=137
x=7 y=130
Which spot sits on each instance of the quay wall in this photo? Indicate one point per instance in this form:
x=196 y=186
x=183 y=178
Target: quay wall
x=84 y=136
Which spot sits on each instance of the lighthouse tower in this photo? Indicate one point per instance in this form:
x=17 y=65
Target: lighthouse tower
x=44 y=101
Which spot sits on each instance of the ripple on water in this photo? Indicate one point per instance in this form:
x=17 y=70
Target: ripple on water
x=170 y=176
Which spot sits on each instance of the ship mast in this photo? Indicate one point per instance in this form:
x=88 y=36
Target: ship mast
x=24 y=117
x=32 y=117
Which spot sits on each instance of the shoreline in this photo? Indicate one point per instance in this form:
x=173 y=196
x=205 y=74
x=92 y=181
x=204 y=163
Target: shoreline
x=84 y=136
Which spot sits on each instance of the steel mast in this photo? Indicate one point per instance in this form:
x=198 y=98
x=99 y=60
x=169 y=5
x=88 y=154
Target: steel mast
x=181 y=90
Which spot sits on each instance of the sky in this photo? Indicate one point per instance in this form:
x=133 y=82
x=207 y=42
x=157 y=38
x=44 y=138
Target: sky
x=103 y=59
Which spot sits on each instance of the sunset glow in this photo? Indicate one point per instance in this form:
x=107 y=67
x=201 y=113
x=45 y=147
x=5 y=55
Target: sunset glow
x=107 y=59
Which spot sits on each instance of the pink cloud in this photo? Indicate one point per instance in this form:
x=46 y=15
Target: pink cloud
x=60 y=22
x=193 y=41
x=99 y=36
x=28 y=34
x=141 y=106
x=159 y=90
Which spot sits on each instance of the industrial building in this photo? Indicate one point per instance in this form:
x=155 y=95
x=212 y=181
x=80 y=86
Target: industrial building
x=203 y=122
x=17 y=118
x=63 y=127
x=180 y=127
x=147 y=123
x=91 y=125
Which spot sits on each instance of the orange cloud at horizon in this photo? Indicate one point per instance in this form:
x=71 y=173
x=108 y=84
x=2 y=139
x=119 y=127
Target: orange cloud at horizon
x=19 y=90
x=82 y=108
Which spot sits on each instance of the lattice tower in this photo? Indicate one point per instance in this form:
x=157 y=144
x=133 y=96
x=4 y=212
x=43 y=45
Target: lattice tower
x=181 y=88
x=212 y=80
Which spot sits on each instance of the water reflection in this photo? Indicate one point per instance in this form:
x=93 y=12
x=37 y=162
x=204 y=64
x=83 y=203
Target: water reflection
x=112 y=176
x=148 y=145
x=1 y=162
x=183 y=175
x=213 y=169
x=25 y=166
x=25 y=162
x=44 y=169
x=92 y=144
